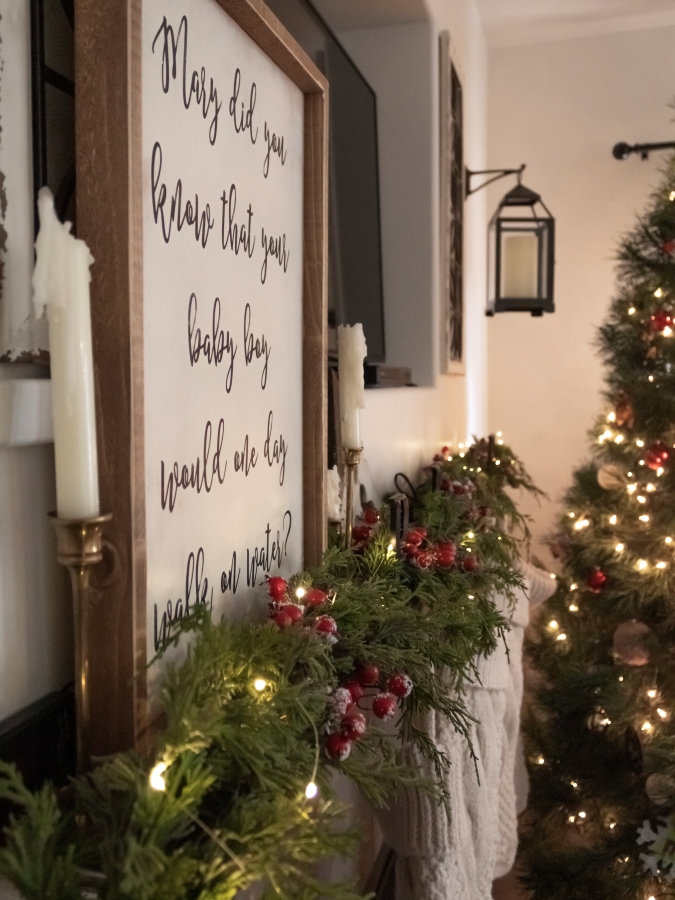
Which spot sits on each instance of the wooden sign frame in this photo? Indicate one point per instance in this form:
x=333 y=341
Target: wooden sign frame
x=109 y=219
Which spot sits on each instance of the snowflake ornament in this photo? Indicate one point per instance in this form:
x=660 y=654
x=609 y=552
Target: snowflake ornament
x=660 y=845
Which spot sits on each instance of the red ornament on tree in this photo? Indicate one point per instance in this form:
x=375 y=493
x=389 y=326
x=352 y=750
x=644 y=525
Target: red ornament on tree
x=661 y=319
x=338 y=747
x=277 y=587
x=315 y=597
x=400 y=685
x=412 y=551
x=469 y=563
x=668 y=247
x=384 y=706
x=353 y=726
x=293 y=612
x=596 y=581
x=425 y=559
x=368 y=675
x=656 y=455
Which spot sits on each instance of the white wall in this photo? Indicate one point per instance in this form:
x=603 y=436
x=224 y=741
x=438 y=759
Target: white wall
x=402 y=428
x=560 y=107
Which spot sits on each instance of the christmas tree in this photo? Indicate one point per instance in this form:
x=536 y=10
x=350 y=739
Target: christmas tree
x=601 y=729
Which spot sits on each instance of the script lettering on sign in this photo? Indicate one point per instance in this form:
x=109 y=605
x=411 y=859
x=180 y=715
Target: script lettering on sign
x=222 y=316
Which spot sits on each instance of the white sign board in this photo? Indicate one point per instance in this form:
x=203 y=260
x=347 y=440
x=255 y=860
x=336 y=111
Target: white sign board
x=222 y=156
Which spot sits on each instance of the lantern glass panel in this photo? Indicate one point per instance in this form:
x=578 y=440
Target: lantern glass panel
x=521 y=252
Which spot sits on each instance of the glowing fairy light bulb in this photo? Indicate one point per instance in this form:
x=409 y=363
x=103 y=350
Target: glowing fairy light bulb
x=658 y=293
x=612 y=825
x=260 y=684
x=582 y=814
x=571 y=515
x=660 y=471
x=540 y=760
x=651 y=378
x=661 y=565
x=642 y=565
x=156 y=779
x=311 y=790
x=651 y=488
x=574 y=586
x=611 y=417
x=553 y=625
x=300 y=593
x=619 y=548
x=552 y=576
x=644 y=518
x=661 y=713
x=647 y=727
x=667 y=331
x=639 y=443
x=573 y=607
x=641 y=462
x=641 y=498
x=668 y=540
x=571 y=820
x=574 y=784
x=580 y=524
x=671 y=197
x=651 y=694
x=605 y=436
x=561 y=637
x=613 y=520
x=498 y=462
x=618 y=439
x=631 y=488
x=631 y=310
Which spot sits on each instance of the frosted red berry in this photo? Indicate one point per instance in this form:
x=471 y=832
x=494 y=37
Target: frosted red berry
x=384 y=706
x=338 y=747
x=353 y=726
x=277 y=587
x=400 y=685
x=368 y=674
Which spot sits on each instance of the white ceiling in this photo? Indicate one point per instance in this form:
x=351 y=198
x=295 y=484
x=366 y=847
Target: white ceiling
x=508 y=22
x=347 y=15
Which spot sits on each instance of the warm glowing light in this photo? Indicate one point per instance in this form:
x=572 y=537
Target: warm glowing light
x=667 y=331
x=605 y=436
x=461 y=446
x=619 y=548
x=611 y=417
x=620 y=677
x=582 y=815
x=641 y=462
x=605 y=722
x=552 y=575
x=570 y=819
x=500 y=442
x=644 y=518
x=540 y=760
x=581 y=523
x=647 y=727
x=662 y=713
x=651 y=694
x=660 y=471
x=574 y=586
x=471 y=535
x=651 y=378
x=573 y=607
x=658 y=293
x=311 y=790
x=156 y=780
x=671 y=197
x=260 y=684
x=574 y=784
x=641 y=499
x=613 y=825
x=561 y=637
x=668 y=540
x=613 y=520
x=631 y=311
x=499 y=434
x=631 y=488
x=651 y=488
x=661 y=565
x=300 y=593
x=553 y=625
x=642 y=565
x=391 y=548
x=618 y=439
x=571 y=515
x=639 y=442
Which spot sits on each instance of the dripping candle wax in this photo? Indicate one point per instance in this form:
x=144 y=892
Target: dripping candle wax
x=61 y=284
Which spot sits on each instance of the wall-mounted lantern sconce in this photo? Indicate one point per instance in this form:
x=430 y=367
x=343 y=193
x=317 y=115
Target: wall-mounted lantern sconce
x=521 y=249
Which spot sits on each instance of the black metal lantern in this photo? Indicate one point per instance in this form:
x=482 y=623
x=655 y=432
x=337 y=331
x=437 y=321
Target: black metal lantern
x=521 y=250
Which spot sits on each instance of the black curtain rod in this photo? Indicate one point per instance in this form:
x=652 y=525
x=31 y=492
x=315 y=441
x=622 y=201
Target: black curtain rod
x=623 y=150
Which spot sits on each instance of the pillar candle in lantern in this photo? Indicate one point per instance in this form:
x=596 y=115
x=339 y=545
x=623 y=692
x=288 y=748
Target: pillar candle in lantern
x=351 y=353
x=520 y=254
x=61 y=284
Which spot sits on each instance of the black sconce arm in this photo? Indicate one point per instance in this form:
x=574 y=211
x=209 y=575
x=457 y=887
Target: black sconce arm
x=623 y=150
x=496 y=175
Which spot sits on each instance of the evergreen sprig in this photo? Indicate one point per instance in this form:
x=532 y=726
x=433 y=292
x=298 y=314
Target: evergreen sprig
x=221 y=803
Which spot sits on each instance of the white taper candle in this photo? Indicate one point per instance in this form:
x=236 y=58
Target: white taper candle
x=61 y=284
x=352 y=351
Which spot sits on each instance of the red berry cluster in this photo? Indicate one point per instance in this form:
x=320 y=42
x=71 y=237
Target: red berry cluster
x=284 y=612
x=656 y=455
x=362 y=534
x=427 y=555
x=348 y=723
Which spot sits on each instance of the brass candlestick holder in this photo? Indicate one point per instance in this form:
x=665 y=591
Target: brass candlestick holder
x=352 y=460
x=79 y=546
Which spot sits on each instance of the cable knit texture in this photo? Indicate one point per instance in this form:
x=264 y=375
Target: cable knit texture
x=456 y=857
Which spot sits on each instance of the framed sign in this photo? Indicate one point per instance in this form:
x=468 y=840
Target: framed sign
x=201 y=147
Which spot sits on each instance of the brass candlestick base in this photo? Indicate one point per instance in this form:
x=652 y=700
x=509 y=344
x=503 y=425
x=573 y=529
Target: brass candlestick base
x=352 y=460
x=79 y=546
